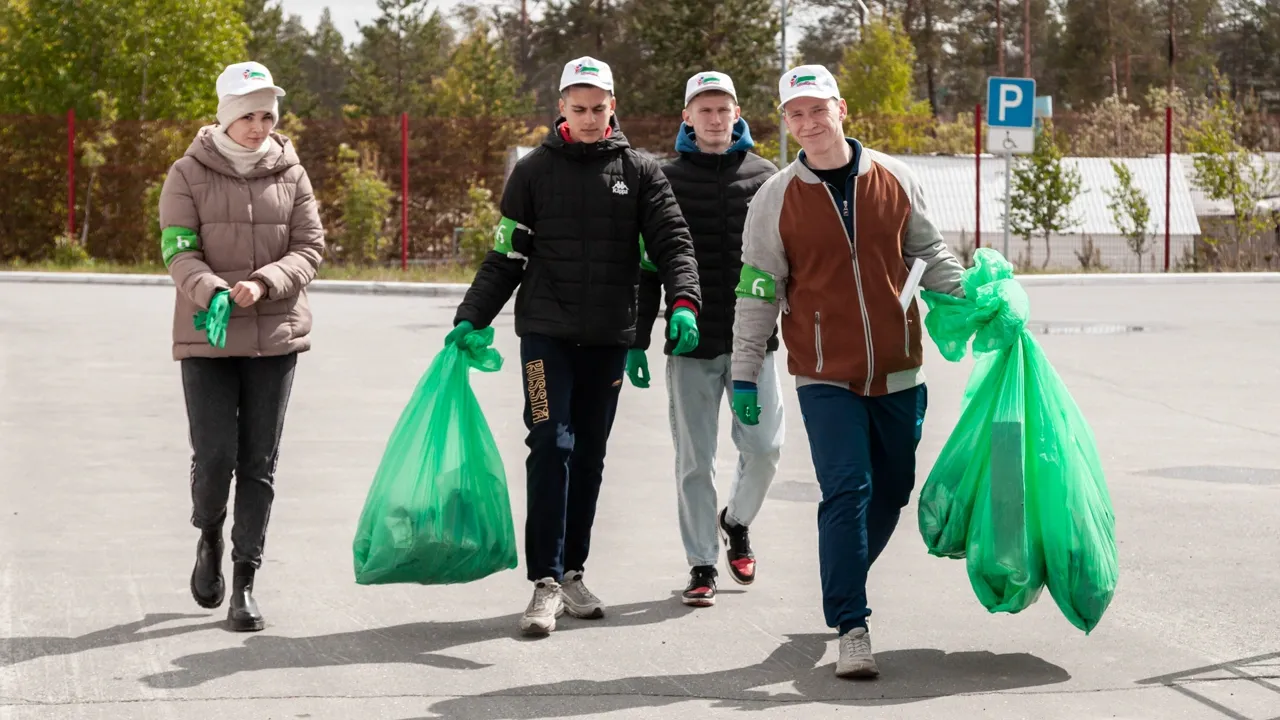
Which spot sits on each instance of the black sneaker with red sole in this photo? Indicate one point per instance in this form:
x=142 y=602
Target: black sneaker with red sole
x=742 y=562
x=701 y=591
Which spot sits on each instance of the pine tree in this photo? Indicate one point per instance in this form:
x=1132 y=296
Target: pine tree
x=480 y=81
x=398 y=58
x=326 y=68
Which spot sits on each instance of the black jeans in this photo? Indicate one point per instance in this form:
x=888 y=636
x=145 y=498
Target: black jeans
x=571 y=394
x=236 y=409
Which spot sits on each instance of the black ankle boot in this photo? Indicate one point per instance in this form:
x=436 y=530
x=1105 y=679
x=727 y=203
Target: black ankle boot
x=242 y=614
x=207 y=585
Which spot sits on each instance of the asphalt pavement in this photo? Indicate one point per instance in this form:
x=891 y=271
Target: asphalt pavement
x=1179 y=383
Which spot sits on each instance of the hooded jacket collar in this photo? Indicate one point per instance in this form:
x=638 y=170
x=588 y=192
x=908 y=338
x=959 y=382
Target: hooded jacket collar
x=584 y=151
x=280 y=156
x=687 y=143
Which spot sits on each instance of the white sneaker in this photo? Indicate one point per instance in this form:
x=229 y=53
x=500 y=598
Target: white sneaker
x=856 y=660
x=547 y=605
x=578 y=600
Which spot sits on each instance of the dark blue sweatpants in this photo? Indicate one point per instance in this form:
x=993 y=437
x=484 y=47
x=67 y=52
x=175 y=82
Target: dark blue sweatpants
x=864 y=453
x=571 y=394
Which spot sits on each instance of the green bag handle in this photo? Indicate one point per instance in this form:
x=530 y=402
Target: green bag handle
x=993 y=312
x=477 y=347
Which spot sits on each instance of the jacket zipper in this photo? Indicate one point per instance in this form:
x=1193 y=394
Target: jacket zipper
x=852 y=239
x=906 y=336
x=817 y=337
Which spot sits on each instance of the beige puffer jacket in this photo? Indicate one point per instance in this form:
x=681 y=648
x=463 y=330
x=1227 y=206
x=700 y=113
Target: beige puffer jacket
x=263 y=226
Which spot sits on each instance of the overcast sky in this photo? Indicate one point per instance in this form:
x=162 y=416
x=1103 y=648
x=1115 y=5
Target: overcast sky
x=347 y=12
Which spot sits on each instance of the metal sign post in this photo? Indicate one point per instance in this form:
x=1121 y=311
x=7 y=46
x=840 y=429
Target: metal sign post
x=1008 y=197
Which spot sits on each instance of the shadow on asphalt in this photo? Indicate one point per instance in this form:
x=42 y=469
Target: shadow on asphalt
x=16 y=650
x=414 y=644
x=906 y=676
x=1259 y=670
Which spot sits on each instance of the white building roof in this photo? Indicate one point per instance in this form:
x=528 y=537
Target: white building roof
x=1206 y=207
x=948 y=182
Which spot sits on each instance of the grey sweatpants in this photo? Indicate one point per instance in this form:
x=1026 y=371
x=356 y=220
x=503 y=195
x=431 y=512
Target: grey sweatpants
x=695 y=389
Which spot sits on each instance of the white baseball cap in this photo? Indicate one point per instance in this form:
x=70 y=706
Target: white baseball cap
x=587 y=70
x=244 y=78
x=711 y=80
x=807 y=81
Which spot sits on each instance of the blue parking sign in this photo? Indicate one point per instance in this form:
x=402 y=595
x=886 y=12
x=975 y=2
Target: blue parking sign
x=1011 y=102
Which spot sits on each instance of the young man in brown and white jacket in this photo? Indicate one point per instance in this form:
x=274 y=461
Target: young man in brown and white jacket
x=828 y=241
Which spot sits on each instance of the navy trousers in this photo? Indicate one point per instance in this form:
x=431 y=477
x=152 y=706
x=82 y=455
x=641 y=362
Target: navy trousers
x=864 y=454
x=571 y=395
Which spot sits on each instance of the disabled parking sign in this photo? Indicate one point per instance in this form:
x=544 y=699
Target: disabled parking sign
x=1011 y=115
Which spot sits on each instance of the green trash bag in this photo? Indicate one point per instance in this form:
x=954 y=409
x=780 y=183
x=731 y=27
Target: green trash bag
x=438 y=511
x=1018 y=489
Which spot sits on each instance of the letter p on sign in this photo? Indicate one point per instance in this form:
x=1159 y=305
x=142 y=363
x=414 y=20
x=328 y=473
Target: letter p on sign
x=1010 y=97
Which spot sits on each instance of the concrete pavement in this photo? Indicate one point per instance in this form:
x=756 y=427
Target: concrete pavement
x=1178 y=380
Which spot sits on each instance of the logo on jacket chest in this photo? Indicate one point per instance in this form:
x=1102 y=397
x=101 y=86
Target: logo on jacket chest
x=620 y=188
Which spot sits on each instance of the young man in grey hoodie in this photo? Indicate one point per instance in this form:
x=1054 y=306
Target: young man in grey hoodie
x=714 y=179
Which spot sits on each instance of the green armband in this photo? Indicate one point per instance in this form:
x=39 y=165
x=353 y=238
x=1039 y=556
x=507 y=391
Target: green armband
x=502 y=236
x=645 y=262
x=756 y=283
x=175 y=240
x=511 y=238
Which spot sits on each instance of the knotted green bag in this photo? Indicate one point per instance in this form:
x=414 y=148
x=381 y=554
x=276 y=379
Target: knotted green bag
x=438 y=510
x=1018 y=489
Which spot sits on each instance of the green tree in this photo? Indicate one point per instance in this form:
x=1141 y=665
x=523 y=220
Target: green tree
x=877 y=80
x=1130 y=210
x=397 y=58
x=1043 y=190
x=678 y=38
x=1227 y=170
x=156 y=58
x=365 y=200
x=573 y=28
x=478 y=224
x=326 y=68
x=480 y=81
x=93 y=155
x=283 y=45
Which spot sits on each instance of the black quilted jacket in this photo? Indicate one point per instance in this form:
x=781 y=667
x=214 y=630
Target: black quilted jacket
x=713 y=192
x=581 y=210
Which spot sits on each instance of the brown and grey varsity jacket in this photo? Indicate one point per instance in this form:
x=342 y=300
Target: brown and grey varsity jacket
x=838 y=290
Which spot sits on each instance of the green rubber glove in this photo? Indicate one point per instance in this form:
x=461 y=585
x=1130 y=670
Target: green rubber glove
x=460 y=331
x=684 y=330
x=744 y=404
x=638 y=368
x=214 y=320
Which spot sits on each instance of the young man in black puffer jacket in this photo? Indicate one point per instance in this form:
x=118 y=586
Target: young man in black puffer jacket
x=573 y=212
x=714 y=179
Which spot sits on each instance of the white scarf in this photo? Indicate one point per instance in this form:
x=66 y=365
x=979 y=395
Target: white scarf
x=242 y=159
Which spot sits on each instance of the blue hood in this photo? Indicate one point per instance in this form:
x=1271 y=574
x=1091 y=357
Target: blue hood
x=742 y=141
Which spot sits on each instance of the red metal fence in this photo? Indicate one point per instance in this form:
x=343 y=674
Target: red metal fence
x=107 y=175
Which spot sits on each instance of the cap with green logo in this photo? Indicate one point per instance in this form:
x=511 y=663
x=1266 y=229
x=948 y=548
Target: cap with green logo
x=246 y=77
x=711 y=80
x=807 y=81
x=587 y=70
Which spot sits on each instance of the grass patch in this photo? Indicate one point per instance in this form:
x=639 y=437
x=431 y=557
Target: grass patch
x=443 y=273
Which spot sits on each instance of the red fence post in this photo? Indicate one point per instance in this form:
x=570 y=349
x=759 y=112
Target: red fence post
x=71 y=173
x=1168 y=173
x=977 y=175
x=404 y=191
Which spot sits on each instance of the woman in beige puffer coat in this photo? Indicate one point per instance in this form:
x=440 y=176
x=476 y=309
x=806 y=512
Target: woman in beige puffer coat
x=238 y=220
